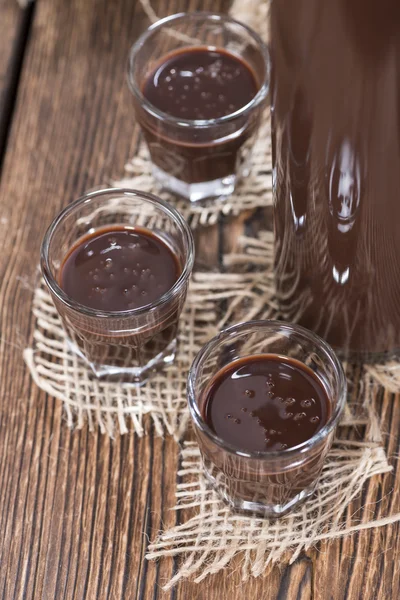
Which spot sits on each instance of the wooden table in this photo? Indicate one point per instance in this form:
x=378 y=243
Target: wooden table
x=77 y=509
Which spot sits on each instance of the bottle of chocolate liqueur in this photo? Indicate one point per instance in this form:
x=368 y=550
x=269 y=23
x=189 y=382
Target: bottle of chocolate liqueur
x=335 y=100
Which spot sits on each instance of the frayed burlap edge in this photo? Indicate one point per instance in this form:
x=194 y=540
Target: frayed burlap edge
x=253 y=191
x=208 y=541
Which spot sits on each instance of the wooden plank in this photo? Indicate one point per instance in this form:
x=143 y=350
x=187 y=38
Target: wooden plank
x=76 y=508
x=72 y=505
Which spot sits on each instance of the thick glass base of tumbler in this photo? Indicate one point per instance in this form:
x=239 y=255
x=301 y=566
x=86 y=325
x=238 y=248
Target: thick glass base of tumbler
x=129 y=374
x=195 y=192
x=266 y=509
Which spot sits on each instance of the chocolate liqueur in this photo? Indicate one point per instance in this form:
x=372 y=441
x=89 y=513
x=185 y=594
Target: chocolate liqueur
x=266 y=402
x=335 y=94
x=199 y=83
x=119 y=268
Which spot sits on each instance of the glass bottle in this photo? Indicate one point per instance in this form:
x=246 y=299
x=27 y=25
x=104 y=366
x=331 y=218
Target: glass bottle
x=335 y=101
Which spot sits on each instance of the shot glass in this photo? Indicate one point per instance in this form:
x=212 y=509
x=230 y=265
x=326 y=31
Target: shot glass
x=129 y=343
x=201 y=158
x=269 y=482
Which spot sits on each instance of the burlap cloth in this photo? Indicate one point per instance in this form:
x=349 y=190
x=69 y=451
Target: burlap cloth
x=209 y=534
x=255 y=190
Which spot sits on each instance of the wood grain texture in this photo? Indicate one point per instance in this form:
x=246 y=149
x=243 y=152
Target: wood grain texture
x=76 y=508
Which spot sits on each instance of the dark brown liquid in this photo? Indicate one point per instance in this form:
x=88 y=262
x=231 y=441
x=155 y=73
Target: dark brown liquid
x=266 y=402
x=200 y=83
x=119 y=268
x=336 y=148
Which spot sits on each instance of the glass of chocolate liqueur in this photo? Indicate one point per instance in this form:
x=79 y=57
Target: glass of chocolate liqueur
x=117 y=263
x=199 y=84
x=265 y=398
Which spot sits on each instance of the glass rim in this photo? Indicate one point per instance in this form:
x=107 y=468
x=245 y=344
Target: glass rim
x=246 y=327
x=198 y=123
x=169 y=210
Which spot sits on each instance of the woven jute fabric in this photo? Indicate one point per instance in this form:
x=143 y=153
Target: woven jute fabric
x=253 y=191
x=212 y=535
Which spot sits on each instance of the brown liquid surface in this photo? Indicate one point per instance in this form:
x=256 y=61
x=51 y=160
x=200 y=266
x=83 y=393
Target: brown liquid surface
x=119 y=268
x=200 y=83
x=266 y=402
x=335 y=93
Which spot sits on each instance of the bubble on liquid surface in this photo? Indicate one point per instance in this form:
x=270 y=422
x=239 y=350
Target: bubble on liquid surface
x=108 y=264
x=290 y=401
x=250 y=393
x=299 y=416
x=306 y=403
x=238 y=421
x=113 y=241
x=244 y=409
x=314 y=419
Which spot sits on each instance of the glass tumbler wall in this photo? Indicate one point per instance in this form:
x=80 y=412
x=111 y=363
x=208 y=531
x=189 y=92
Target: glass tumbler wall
x=198 y=158
x=269 y=482
x=128 y=343
x=335 y=114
